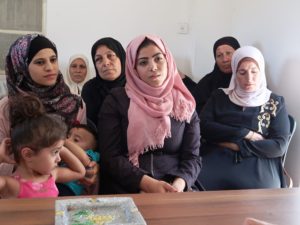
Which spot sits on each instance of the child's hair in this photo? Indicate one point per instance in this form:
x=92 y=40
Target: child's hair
x=31 y=126
x=90 y=127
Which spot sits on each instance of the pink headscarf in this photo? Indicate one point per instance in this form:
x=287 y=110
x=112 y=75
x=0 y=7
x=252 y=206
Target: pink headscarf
x=151 y=107
x=236 y=94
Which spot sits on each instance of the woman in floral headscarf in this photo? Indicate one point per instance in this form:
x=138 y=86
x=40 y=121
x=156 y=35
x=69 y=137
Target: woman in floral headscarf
x=149 y=134
x=32 y=69
x=245 y=128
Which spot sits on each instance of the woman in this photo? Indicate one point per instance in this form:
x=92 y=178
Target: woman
x=245 y=128
x=109 y=60
x=77 y=73
x=221 y=74
x=32 y=69
x=149 y=134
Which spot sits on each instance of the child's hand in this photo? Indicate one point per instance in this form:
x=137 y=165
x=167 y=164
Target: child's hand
x=5 y=150
x=91 y=174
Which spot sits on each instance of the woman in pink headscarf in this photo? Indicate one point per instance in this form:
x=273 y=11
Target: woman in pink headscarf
x=149 y=134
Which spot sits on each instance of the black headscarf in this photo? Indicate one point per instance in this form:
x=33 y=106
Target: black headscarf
x=96 y=89
x=231 y=41
x=215 y=79
x=38 y=43
x=118 y=49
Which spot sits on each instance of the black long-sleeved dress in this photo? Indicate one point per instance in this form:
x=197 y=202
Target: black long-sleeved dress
x=258 y=163
x=94 y=92
x=178 y=158
x=208 y=84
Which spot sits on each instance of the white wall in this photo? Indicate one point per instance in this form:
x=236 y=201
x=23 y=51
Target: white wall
x=272 y=26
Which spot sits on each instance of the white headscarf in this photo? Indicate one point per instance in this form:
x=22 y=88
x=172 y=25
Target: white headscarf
x=236 y=94
x=76 y=88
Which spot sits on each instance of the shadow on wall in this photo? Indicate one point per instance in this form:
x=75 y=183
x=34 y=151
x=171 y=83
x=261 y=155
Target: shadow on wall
x=270 y=81
x=185 y=66
x=290 y=89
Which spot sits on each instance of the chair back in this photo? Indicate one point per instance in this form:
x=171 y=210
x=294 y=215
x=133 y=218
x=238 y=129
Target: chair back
x=293 y=125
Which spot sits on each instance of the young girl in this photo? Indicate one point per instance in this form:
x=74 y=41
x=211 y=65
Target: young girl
x=37 y=144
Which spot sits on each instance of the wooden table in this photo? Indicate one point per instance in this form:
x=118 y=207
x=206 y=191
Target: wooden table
x=279 y=206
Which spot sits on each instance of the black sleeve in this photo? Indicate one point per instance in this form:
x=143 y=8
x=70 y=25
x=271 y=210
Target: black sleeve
x=190 y=161
x=213 y=131
x=189 y=83
x=113 y=143
x=202 y=93
x=91 y=99
x=275 y=143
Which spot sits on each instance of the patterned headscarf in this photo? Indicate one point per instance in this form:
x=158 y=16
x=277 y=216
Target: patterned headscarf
x=56 y=99
x=150 y=107
x=236 y=94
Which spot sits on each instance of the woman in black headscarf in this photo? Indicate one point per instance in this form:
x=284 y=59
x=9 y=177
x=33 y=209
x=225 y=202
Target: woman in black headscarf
x=221 y=75
x=109 y=60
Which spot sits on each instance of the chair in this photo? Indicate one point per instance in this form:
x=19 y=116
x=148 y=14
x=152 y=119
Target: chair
x=293 y=125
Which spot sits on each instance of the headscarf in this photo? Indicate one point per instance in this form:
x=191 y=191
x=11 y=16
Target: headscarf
x=215 y=79
x=76 y=88
x=37 y=44
x=232 y=42
x=150 y=107
x=236 y=94
x=228 y=40
x=57 y=98
x=118 y=49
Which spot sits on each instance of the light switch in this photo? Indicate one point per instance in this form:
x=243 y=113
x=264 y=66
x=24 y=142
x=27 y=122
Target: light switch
x=183 y=28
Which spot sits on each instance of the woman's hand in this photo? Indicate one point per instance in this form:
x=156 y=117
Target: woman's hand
x=230 y=145
x=254 y=136
x=179 y=184
x=91 y=174
x=5 y=150
x=151 y=185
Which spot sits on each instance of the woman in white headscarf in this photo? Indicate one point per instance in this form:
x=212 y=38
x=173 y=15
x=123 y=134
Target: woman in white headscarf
x=77 y=73
x=245 y=129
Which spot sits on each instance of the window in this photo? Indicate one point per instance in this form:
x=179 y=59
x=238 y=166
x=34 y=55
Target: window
x=18 y=17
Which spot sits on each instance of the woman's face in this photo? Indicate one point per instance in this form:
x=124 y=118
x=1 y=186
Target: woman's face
x=78 y=70
x=151 y=65
x=108 y=63
x=223 y=58
x=248 y=75
x=43 y=67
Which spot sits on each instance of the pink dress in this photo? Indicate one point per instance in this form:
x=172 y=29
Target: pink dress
x=29 y=189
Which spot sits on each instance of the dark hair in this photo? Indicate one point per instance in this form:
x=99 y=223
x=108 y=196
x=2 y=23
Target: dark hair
x=90 y=127
x=31 y=126
x=146 y=42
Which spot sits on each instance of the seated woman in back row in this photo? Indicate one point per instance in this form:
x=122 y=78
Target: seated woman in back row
x=78 y=73
x=149 y=134
x=245 y=129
